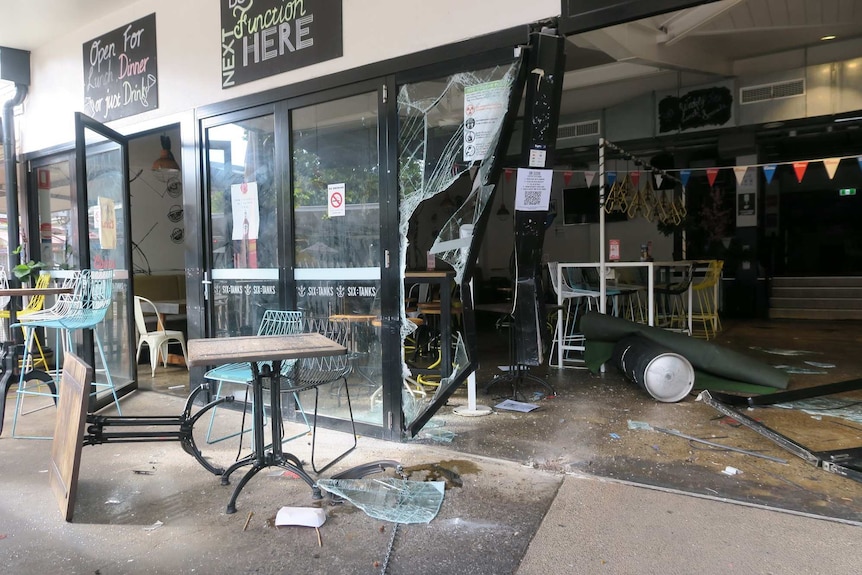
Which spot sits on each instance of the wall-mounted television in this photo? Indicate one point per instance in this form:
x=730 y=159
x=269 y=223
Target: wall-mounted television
x=581 y=206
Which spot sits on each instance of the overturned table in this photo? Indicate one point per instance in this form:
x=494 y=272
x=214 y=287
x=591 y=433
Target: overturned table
x=264 y=354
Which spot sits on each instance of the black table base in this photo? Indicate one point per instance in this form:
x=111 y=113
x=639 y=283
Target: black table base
x=267 y=376
x=517 y=374
x=99 y=426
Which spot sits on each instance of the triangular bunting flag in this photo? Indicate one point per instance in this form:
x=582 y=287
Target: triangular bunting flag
x=509 y=172
x=612 y=177
x=831 y=165
x=799 y=168
x=635 y=177
x=740 y=173
x=769 y=172
x=567 y=177
x=658 y=180
x=711 y=174
x=684 y=175
x=590 y=175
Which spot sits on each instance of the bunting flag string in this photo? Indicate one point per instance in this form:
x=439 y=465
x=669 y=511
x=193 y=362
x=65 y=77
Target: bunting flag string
x=800 y=168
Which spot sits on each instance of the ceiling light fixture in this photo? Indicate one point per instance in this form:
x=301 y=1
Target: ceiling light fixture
x=828 y=37
x=848 y=119
x=166 y=162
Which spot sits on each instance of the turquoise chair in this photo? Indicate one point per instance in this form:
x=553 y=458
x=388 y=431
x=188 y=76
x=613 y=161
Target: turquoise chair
x=274 y=322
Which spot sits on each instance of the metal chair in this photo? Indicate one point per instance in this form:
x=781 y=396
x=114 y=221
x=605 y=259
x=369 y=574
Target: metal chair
x=34 y=304
x=567 y=340
x=84 y=308
x=310 y=373
x=273 y=322
x=157 y=341
x=672 y=302
x=707 y=308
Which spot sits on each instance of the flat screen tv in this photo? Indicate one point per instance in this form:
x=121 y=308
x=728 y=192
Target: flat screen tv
x=581 y=206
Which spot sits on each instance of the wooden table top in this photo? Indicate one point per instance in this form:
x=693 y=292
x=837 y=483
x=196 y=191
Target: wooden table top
x=30 y=291
x=221 y=350
x=348 y=317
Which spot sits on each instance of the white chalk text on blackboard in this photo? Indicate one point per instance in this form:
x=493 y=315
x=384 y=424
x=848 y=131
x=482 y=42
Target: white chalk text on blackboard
x=260 y=38
x=120 y=73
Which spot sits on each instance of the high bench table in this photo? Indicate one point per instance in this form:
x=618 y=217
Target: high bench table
x=264 y=354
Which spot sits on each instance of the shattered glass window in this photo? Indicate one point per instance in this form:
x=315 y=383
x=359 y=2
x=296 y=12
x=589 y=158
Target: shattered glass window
x=448 y=132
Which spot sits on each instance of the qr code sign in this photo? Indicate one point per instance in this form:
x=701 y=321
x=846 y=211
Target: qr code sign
x=532 y=197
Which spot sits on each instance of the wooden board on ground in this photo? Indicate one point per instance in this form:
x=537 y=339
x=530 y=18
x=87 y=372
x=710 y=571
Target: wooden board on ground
x=69 y=432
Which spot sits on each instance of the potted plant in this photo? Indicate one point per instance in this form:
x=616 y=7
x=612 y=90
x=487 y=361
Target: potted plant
x=27 y=271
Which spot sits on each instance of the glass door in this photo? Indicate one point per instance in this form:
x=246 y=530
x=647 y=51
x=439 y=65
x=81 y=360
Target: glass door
x=243 y=203
x=102 y=214
x=336 y=241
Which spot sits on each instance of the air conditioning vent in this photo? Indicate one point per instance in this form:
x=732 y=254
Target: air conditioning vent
x=775 y=91
x=579 y=129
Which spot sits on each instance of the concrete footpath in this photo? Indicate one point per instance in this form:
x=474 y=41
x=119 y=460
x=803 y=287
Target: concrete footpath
x=606 y=526
x=150 y=508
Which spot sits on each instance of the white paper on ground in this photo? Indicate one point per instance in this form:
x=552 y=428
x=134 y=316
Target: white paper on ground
x=304 y=516
x=512 y=405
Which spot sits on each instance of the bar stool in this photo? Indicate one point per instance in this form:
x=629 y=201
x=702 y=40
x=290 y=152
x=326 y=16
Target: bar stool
x=707 y=310
x=34 y=304
x=84 y=308
x=567 y=339
x=671 y=301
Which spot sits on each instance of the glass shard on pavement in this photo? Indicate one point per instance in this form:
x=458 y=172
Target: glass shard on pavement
x=390 y=499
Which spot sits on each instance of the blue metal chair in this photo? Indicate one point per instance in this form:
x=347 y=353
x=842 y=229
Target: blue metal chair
x=274 y=322
x=84 y=308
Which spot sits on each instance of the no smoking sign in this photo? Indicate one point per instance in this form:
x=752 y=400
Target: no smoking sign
x=335 y=206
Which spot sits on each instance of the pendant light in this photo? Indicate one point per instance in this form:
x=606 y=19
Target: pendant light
x=166 y=162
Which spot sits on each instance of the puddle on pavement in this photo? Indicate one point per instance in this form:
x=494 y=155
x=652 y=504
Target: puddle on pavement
x=449 y=471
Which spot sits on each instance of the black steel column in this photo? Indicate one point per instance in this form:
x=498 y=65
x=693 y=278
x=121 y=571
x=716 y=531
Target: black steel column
x=544 y=88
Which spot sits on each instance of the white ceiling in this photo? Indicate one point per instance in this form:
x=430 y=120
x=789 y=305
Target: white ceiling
x=29 y=24
x=697 y=45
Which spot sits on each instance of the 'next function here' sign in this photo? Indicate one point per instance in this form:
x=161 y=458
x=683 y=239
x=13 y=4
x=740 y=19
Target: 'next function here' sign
x=120 y=71
x=260 y=38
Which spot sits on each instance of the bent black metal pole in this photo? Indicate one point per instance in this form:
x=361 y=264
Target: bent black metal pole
x=11 y=159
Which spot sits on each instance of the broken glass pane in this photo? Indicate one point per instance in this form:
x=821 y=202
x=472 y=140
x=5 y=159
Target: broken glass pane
x=390 y=499
x=449 y=129
x=433 y=158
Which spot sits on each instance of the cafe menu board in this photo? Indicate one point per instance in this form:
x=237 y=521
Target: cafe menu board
x=260 y=38
x=120 y=71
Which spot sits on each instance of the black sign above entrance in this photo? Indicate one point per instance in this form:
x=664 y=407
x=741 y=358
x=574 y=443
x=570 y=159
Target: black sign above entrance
x=120 y=71
x=260 y=38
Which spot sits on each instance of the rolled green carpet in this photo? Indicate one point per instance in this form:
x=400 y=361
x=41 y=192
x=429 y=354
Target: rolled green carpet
x=703 y=355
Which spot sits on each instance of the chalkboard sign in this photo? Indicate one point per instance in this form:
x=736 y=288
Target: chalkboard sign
x=260 y=38
x=120 y=71
x=697 y=109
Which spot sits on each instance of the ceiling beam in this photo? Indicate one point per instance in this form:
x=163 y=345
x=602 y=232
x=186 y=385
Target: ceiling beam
x=636 y=45
x=685 y=22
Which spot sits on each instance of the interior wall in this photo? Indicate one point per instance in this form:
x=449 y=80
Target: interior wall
x=189 y=52
x=156 y=208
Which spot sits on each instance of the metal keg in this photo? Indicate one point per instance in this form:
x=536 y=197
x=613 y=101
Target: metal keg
x=665 y=375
